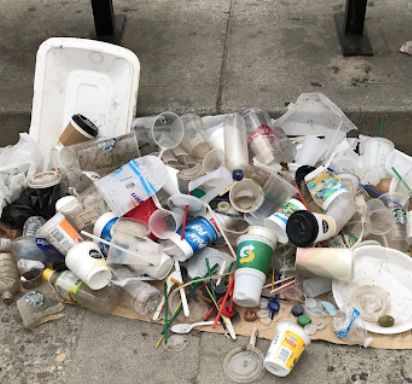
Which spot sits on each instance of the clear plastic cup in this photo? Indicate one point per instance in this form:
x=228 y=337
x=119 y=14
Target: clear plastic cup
x=195 y=139
x=342 y=210
x=214 y=160
x=287 y=148
x=375 y=151
x=379 y=219
x=276 y=192
x=234 y=228
x=262 y=139
x=97 y=154
x=164 y=222
x=402 y=163
x=311 y=151
x=236 y=151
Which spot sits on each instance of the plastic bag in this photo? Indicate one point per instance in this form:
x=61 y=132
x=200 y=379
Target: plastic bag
x=17 y=164
x=350 y=327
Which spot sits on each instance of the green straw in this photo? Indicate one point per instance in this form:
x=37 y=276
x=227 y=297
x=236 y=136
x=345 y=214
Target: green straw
x=165 y=288
x=212 y=285
x=381 y=129
x=403 y=181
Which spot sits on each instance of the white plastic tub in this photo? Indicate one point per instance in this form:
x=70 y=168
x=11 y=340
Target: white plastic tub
x=98 y=80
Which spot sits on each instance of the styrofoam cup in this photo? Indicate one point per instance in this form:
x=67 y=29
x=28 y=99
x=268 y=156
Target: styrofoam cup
x=311 y=151
x=87 y=262
x=164 y=222
x=288 y=344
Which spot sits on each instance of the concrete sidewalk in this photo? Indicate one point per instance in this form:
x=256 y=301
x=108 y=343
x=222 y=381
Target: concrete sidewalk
x=206 y=57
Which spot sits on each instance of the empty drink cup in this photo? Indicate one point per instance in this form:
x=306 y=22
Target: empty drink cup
x=375 y=152
x=262 y=139
x=245 y=195
x=195 y=139
x=79 y=129
x=287 y=148
x=97 y=154
x=342 y=210
x=164 y=222
x=311 y=151
x=234 y=228
x=379 y=219
x=235 y=137
x=214 y=160
x=276 y=192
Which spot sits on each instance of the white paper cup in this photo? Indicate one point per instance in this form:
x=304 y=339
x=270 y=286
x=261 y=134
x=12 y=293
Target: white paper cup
x=158 y=272
x=245 y=196
x=87 y=262
x=248 y=287
x=288 y=344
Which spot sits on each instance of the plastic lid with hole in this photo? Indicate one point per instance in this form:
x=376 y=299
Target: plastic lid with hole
x=244 y=365
x=44 y=180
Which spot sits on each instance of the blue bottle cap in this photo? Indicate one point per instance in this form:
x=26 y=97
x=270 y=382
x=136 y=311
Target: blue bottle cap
x=238 y=175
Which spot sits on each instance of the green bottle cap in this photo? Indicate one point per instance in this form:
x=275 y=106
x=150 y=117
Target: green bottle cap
x=198 y=193
x=304 y=320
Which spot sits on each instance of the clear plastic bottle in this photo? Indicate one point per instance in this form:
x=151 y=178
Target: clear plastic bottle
x=262 y=139
x=142 y=297
x=287 y=149
x=93 y=155
x=9 y=277
x=72 y=288
x=236 y=151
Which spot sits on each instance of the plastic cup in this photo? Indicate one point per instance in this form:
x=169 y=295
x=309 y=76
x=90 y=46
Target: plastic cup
x=235 y=137
x=400 y=162
x=262 y=139
x=254 y=255
x=171 y=186
x=350 y=182
x=305 y=228
x=234 y=228
x=87 y=262
x=246 y=196
x=344 y=165
x=59 y=233
x=277 y=222
x=379 y=219
x=375 y=151
x=288 y=344
x=195 y=139
x=311 y=151
x=164 y=222
x=341 y=211
x=79 y=129
x=68 y=205
x=214 y=160
x=330 y=263
x=276 y=192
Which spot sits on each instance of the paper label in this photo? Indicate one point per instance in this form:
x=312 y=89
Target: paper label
x=263 y=130
x=107 y=235
x=325 y=187
x=254 y=254
x=290 y=349
x=67 y=285
x=84 y=218
x=63 y=237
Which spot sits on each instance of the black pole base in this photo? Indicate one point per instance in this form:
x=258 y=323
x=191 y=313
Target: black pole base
x=352 y=44
x=114 y=39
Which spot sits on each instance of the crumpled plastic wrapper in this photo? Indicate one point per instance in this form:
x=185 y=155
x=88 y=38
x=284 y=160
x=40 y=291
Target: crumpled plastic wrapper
x=407 y=48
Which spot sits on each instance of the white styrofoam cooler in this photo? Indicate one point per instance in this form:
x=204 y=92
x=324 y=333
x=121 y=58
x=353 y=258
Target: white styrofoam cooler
x=98 y=80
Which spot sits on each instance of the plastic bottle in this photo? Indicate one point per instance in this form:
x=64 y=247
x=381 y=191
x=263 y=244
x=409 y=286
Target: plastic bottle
x=9 y=277
x=142 y=297
x=350 y=327
x=72 y=288
x=287 y=149
x=236 y=151
x=262 y=139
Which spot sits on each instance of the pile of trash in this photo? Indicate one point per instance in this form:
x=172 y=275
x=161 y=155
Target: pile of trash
x=192 y=219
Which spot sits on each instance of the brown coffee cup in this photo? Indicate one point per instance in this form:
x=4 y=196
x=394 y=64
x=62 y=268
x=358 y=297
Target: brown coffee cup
x=79 y=129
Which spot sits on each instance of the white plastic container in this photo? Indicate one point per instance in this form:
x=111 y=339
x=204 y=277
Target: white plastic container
x=95 y=79
x=288 y=344
x=86 y=261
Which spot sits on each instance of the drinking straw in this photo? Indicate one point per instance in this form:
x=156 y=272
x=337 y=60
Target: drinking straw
x=165 y=288
x=302 y=199
x=185 y=219
x=225 y=319
x=381 y=128
x=273 y=278
x=204 y=298
x=400 y=178
x=379 y=194
x=231 y=281
x=162 y=335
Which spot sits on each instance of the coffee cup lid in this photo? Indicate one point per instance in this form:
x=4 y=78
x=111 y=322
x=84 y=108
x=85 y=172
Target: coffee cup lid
x=302 y=228
x=44 y=180
x=85 y=124
x=301 y=172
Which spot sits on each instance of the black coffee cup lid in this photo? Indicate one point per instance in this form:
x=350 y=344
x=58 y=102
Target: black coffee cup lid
x=302 y=228
x=302 y=172
x=85 y=124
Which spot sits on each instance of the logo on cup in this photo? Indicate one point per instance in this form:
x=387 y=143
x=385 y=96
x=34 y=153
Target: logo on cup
x=247 y=254
x=95 y=254
x=325 y=226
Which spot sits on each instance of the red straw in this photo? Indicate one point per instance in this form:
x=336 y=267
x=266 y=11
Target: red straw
x=302 y=198
x=205 y=317
x=231 y=281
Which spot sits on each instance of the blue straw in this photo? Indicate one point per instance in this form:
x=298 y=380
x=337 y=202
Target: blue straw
x=379 y=194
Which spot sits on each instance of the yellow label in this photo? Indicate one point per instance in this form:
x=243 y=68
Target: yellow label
x=290 y=349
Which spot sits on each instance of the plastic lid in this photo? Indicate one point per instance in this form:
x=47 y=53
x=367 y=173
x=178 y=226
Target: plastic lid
x=304 y=320
x=273 y=305
x=301 y=172
x=44 y=180
x=302 y=228
x=196 y=206
x=244 y=365
x=85 y=124
x=367 y=342
x=297 y=310
x=310 y=329
x=47 y=273
x=238 y=175
x=310 y=303
x=63 y=201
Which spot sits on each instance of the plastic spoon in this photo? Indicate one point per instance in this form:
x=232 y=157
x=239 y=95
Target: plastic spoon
x=186 y=328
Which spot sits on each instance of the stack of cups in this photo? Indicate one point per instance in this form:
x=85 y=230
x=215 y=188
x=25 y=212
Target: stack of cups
x=254 y=254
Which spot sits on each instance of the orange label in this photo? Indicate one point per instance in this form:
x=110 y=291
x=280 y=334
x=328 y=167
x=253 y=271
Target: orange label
x=70 y=231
